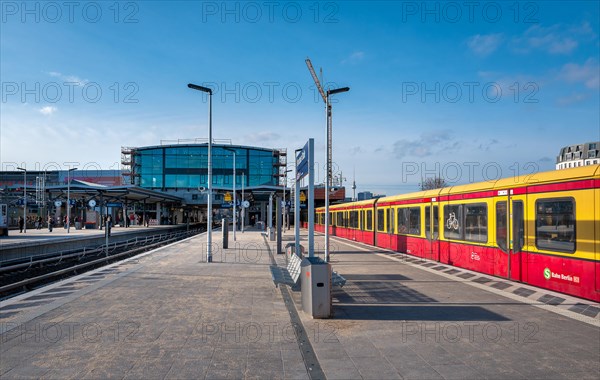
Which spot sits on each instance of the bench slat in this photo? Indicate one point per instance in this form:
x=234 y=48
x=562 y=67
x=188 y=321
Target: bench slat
x=291 y=274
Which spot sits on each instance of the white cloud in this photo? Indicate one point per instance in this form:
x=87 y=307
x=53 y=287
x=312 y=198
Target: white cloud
x=426 y=145
x=588 y=73
x=554 y=39
x=571 y=99
x=69 y=78
x=484 y=45
x=48 y=110
x=355 y=57
x=262 y=137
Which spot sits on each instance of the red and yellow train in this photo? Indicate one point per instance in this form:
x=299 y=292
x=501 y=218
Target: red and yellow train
x=541 y=229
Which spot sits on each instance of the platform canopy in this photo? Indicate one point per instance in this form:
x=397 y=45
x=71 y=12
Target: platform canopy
x=128 y=193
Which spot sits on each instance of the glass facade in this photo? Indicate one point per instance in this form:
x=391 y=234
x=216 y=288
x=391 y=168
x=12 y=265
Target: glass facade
x=186 y=167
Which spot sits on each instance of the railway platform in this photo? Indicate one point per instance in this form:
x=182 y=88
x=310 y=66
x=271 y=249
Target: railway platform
x=35 y=236
x=40 y=242
x=169 y=314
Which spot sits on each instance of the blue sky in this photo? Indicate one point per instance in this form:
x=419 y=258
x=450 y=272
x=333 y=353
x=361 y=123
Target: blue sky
x=474 y=92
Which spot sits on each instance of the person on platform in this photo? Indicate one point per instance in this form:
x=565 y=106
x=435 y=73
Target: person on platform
x=21 y=224
x=108 y=224
x=50 y=223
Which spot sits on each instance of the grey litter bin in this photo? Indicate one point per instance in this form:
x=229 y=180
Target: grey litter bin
x=316 y=287
x=225 y=232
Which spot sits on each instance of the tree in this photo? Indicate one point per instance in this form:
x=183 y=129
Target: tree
x=433 y=183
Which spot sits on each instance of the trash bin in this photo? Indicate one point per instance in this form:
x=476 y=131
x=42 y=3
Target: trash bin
x=225 y=233
x=77 y=225
x=316 y=287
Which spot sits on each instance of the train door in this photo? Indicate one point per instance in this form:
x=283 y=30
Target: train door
x=432 y=222
x=510 y=236
x=517 y=221
x=374 y=225
x=390 y=229
x=596 y=246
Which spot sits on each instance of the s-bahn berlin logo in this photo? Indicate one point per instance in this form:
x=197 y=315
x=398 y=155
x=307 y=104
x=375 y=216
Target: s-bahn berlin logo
x=547 y=273
x=572 y=279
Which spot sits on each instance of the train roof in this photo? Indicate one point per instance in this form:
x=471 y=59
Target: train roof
x=368 y=202
x=562 y=175
x=572 y=174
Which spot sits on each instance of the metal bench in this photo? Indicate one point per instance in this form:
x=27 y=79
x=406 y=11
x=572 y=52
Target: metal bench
x=288 y=276
x=291 y=274
x=337 y=279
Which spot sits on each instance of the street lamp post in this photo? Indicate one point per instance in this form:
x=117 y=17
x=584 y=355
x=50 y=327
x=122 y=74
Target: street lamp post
x=24 y=199
x=234 y=195
x=296 y=205
x=242 y=202
x=209 y=203
x=328 y=169
x=286 y=222
x=69 y=199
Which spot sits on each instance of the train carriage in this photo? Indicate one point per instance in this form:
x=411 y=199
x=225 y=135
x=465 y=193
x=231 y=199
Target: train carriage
x=541 y=229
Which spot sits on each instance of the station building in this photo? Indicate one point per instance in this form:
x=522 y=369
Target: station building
x=180 y=168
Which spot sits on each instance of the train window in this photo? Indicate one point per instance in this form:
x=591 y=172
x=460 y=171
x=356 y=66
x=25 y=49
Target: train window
x=453 y=222
x=555 y=224
x=361 y=220
x=409 y=221
x=402 y=220
x=476 y=222
x=518 y=221
x=436 y=222
x=414 y=221
x=381 y=220
x=369 y=220
x=502 y=226
x=340 y=219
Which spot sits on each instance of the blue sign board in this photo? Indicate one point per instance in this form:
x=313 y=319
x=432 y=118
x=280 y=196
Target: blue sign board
x=302 y=163
x=114 y=205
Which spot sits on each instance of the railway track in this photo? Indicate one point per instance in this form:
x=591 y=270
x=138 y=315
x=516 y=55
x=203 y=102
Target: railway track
x=18 y=276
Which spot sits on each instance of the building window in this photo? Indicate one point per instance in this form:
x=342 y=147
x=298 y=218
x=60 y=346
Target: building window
x=592 y=146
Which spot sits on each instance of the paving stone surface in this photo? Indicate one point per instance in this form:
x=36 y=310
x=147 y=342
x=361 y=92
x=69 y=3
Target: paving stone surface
x=167 y=315
x=170 y=315
x=397 y=319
